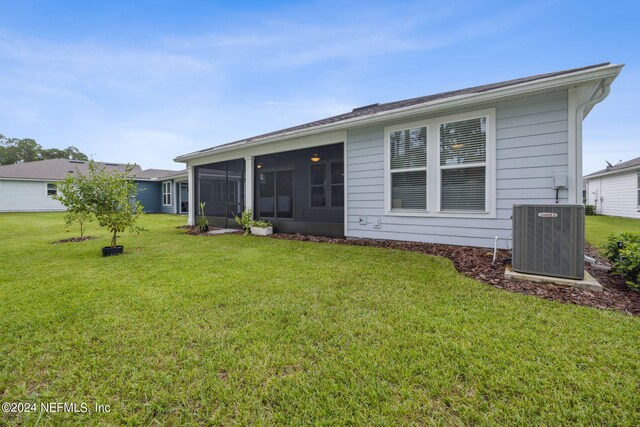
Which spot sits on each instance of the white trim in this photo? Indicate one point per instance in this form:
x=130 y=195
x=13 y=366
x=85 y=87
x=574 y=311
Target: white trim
x=165 y=193
x=244 y=151
x=192 y=217
x=345 y=194
x=550 y=83
x=433 y=166
x=248 y=182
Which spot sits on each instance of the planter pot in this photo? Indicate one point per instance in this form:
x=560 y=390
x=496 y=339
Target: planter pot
x=108 y=250
x=261 y=231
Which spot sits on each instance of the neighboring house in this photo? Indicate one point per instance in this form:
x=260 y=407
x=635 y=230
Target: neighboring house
x=615 y=190
x=28 y=187
x=445 y=168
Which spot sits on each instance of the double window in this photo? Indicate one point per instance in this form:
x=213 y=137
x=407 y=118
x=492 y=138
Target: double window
x=275 y=189
x=443 y=166
x=166 y=193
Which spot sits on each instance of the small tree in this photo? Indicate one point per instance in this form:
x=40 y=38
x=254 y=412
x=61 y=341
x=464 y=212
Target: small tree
x=70 y=194
x=111 y=198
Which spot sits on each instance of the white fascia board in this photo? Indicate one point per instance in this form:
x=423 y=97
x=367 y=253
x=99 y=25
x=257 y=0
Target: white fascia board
x=615 y=172
x=30 y=179
x=549 y=83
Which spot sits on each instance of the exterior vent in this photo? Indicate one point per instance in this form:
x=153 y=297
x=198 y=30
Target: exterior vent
x=76 y=161
x=366 y=107
x=549 y=240
x=111 y=164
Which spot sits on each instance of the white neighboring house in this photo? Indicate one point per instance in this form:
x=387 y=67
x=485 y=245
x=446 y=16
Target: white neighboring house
x=29 y=186
x=615 y=191
x=444 y=168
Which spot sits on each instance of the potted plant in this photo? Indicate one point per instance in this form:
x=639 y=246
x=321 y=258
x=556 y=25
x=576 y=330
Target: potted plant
x=203 y=222
x=261 y=228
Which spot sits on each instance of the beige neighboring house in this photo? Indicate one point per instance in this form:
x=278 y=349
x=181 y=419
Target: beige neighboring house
x=615 y=190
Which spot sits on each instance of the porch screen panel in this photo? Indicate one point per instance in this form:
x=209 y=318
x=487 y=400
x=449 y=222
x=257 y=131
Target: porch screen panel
x=284 y=194
x=267 y=194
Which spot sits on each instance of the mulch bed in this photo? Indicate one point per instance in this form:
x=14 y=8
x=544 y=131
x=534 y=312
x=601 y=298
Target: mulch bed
x=74 y=239
x=477 y=263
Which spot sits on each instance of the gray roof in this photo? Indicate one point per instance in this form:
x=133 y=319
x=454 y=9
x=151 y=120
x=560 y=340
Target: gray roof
x=372 y=109
x=56 y=169
x=620 y=166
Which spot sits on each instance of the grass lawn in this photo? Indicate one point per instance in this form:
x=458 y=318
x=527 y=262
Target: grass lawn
x=247 y=330
x=598 y=227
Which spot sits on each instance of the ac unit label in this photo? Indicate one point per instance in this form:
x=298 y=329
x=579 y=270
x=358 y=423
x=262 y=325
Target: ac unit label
x=548 y=215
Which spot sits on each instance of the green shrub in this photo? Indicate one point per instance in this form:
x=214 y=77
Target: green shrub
x=623 y=252
x=245 y=220
x=261 y=224
x=590 y=209
x=203 y=222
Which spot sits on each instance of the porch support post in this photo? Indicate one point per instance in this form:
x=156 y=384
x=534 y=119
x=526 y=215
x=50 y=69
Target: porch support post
x=192 y=196
x=248 y=182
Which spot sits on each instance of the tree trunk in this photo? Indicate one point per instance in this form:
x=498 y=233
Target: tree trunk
x=113 y=239
x=81 y=231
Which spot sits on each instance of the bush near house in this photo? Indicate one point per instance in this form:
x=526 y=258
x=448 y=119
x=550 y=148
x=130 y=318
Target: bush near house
x=623 y=252
x=590 y=210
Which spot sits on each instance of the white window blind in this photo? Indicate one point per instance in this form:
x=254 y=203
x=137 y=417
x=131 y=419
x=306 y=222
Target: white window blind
x=463 y=146
x=408 y=167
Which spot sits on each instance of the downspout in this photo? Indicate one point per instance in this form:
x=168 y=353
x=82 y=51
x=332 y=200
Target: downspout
x=602 y=91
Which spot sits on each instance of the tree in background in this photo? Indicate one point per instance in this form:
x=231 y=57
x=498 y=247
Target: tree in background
x=15 y=150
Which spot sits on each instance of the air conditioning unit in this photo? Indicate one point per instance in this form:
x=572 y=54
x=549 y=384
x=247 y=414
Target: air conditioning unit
x=549 y=240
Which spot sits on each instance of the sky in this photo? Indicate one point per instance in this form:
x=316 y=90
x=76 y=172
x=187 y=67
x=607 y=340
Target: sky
x=146 y=81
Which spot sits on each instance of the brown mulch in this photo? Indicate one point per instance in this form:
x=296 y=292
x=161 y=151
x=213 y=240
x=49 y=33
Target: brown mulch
x=477 y=263
x=74 y=239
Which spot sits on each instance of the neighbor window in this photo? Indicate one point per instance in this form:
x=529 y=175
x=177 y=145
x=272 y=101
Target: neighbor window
x=52 y=190
x=442 y=166
x=166 y=193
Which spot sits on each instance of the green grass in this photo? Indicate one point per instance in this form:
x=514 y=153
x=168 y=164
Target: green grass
x=598 y=228
x=246 y=330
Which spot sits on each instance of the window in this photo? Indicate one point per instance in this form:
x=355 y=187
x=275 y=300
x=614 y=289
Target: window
x=337 y=185
x=409 y=168
x=463 y=155
x=441 y=167
x=327 y=185
x=52 y=189
x=166 y=193
x=275 y=194
x=318 y=183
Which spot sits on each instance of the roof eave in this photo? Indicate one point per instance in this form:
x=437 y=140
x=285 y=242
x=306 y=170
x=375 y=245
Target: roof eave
x=613 y=172
x=610 y=72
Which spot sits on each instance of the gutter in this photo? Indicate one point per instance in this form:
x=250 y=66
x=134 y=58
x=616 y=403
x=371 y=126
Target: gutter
x=606 y=72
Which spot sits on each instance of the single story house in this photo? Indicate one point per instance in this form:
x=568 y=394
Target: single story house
x=28 y=187
x=615 y=190
x=444 y=168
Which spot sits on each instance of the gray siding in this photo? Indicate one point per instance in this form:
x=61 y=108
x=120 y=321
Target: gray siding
x=150 y=195
x=26 y=196
x=531 y=143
